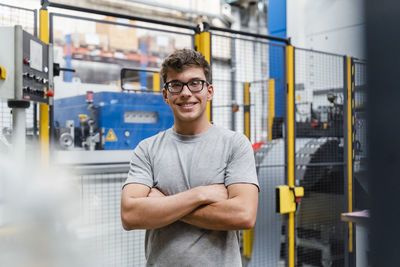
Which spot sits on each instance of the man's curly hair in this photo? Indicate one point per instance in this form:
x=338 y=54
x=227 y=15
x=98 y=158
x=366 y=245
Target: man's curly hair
x=181 y=59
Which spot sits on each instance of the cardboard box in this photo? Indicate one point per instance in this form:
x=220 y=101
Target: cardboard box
x=159 y=44
x=120 y=37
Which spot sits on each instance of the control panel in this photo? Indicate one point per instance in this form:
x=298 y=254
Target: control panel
x=138 y=116
x=35 y=69
x=25 y=63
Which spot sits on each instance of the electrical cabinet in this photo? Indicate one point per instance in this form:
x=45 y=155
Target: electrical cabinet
x=24 y=66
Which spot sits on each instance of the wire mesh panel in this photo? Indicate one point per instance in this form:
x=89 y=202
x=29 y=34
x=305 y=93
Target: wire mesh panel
x=100 y=199
x=239 y=61
x=98 y=47
x=360 y=141
x=319 y=103
x=10 y=16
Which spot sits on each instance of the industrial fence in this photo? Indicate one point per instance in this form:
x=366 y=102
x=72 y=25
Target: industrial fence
x=250 y=84
x=104 y=45
x=319 y=129
x=100 y=198
x=247 y=74
x=360 y=111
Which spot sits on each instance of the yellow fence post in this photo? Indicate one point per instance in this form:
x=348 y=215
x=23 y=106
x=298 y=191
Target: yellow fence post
x=290 y=144
x=203 y=45
x=350 y=140
x=248 y=235
x=246 y=102
x=271 y=106
x=156 y=82
x=44 y=108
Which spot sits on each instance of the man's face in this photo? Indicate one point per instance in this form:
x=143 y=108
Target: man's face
x=188 y=106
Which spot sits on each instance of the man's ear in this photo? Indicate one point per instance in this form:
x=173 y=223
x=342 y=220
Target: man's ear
x=165 y=96
x=210 y=90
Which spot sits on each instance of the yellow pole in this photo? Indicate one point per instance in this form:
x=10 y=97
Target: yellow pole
x=271 y=106
x=44 y=108
x=197 y=41
x=203 y=45
x=350 y=153
x=290 y=137
x=156 y=82
x=248 y=235
x=246 y=102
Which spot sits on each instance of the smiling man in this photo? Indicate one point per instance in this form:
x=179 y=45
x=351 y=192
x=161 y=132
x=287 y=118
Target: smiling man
x=194 y=185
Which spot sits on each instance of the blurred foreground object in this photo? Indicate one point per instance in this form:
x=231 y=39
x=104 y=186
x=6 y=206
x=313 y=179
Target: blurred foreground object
x=41 y=223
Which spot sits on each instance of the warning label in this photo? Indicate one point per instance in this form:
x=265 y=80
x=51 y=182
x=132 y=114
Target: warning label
x=111 y=137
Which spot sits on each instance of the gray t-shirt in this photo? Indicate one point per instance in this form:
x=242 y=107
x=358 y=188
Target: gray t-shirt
x=175 y=163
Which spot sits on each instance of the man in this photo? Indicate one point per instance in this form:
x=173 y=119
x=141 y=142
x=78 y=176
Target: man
x=194 y=185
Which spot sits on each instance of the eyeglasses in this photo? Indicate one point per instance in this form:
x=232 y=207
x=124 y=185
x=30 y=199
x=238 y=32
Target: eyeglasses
x=176 y=86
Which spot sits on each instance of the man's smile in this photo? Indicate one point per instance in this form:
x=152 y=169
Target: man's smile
x=187 y=105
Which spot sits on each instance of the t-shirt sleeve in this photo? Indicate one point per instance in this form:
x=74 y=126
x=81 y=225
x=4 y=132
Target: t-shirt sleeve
x=241 y=167
x=140 y=170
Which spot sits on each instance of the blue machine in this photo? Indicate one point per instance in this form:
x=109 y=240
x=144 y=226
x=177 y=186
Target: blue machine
x=111 y=120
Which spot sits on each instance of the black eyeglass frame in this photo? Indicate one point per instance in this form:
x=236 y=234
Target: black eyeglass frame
x=187 y=85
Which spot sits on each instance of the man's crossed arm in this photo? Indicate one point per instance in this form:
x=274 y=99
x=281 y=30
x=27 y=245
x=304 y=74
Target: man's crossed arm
x=211 y=207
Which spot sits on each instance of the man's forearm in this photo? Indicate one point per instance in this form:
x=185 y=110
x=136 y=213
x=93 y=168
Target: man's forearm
x=156 y=212
x=237 y=212
x=154 y=209
x=224 y=215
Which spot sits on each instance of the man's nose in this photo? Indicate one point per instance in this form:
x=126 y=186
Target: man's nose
x=186 y=91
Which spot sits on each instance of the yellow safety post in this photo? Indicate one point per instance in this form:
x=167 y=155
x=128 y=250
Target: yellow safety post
x=246 y=102
x=156 y=82
x=197 y=41
x=271 y=106
x=203 y=45
x=290 y=145
x=248 y=235
x=3 y=73
x=44 y=108
x=350 y=139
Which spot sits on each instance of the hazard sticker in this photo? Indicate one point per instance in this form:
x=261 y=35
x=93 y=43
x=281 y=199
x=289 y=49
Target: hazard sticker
x=111 y=137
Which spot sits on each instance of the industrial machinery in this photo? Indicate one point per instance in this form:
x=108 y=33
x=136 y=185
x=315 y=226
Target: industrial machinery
x=112 y=120
x=109 y=120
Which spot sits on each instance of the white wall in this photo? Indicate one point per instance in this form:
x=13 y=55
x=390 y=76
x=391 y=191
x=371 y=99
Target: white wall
x=335 y=26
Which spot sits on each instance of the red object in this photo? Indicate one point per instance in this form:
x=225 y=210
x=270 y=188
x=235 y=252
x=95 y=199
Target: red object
x=314 y=124
x=50 y=93
x=256 y=146
x=26 y=61
x=89 y=96
x=298 y=199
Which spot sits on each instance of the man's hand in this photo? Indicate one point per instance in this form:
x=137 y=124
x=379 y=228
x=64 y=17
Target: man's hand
x=215 y=192
x=235 y=213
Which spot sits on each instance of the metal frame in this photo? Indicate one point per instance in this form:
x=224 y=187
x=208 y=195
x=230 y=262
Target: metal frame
x=290 y=146
x=269 y=37
x=349 y=87
x=258 y=40
x=112 y=14
x=52 y=15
